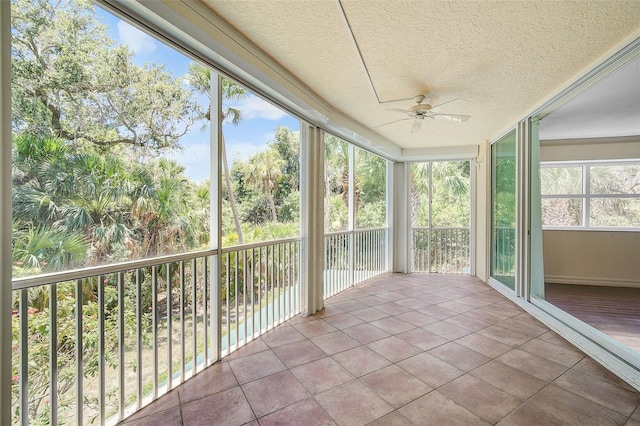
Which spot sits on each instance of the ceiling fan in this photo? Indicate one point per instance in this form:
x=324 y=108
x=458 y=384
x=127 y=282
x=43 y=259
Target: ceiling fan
x=421 y=111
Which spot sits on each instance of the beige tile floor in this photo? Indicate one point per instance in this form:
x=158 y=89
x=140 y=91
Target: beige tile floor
x=404 y=350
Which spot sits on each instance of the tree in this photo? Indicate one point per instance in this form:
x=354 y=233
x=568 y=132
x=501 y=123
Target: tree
x=70 y=80
x=87 y=188
x=448 y=201
x=200 y=79
x=451 y=205
x=162 y=218
x=370 y=191
x=266 y=170
x=336 y=183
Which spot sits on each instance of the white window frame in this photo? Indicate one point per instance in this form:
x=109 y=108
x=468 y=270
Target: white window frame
x=586 y=196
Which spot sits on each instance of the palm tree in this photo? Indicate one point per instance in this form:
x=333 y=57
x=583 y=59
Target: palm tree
x=265 y=171
x=47 y=248
x=200 y=79
x=370 y=189
x=65 y=193
x=336 y=174
x=164 y=220
x=450 y=186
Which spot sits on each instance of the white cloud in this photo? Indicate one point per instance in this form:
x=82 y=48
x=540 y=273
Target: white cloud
x=268 y=137
x=194 y=158
x=138 y=41
x=254 y=107
x=242 y=150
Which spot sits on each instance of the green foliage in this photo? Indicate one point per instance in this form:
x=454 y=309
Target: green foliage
x=72 y=206
x=370 y=172
x=370 y=191
x=47 y=249
x=266 y=185
x=336 y=184
x=608 y=200
x=64 y=84
x=39 y=336
x=449 y=200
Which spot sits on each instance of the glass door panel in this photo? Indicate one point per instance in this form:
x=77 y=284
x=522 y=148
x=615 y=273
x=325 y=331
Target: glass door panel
x=440 y=217
x=503 y=210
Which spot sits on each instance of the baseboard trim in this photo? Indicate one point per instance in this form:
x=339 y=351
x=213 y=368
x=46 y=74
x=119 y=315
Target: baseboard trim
x=602 y=282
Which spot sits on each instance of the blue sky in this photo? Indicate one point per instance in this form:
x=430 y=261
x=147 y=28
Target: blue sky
x=260 y=118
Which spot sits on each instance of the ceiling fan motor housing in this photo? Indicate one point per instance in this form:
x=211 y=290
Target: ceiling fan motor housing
x=420 y=108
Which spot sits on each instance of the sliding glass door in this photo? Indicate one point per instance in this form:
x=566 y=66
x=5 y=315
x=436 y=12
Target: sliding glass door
x=503 y=210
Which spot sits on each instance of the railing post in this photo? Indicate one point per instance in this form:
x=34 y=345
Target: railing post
x=53 y=354
x=139 y=383
x=24 y=357
x=101 y=345
x=121 y=347
x=79 y=354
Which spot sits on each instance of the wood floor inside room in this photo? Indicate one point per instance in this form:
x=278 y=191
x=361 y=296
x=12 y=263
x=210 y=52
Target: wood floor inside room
x=613 y=310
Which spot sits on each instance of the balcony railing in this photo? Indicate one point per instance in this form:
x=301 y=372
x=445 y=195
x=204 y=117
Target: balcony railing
x=107 y=340
x=441 y=250
x=110 y=339
x=260 y=289
x=504 y=252
x=345 y=267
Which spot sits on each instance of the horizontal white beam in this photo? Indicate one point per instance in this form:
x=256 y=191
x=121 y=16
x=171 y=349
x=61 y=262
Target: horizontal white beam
x=466 y=152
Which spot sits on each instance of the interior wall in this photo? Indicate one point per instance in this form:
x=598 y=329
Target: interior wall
x=592 y=257
x=591 y=149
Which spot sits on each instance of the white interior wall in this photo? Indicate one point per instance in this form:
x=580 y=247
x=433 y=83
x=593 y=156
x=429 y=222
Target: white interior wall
x=600 y=258
x=591 y=149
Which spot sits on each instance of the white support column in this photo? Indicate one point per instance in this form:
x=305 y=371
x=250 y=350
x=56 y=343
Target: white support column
x=312 y=219
x=215 y=190
x=5 y=213
x=483 y=213
x=390 y=216
x=401 y=219
x=352 y=213
x=473 y=177
x=430 y=237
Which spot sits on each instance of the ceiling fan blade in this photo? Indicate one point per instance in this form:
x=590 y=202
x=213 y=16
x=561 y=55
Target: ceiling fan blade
x=394 y=121
x=417 y=125
x=451 y=117
x=448 y=103
x=404 y=111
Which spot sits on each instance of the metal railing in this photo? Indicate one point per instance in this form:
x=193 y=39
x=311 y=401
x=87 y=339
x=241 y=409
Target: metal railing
x=503 y=261
x=441 y=250
x=345 y=267
x=260 y=289
x=107 y=340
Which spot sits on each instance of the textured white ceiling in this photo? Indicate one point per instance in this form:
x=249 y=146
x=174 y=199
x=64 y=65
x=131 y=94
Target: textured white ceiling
x=502 y=57
x=609 y=108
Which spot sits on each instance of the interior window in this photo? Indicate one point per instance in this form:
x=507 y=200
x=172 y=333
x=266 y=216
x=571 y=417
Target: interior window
x=591 y=195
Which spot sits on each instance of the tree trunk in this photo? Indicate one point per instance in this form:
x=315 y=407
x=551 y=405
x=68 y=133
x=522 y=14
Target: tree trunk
x=232 y=199
x=274 y=213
